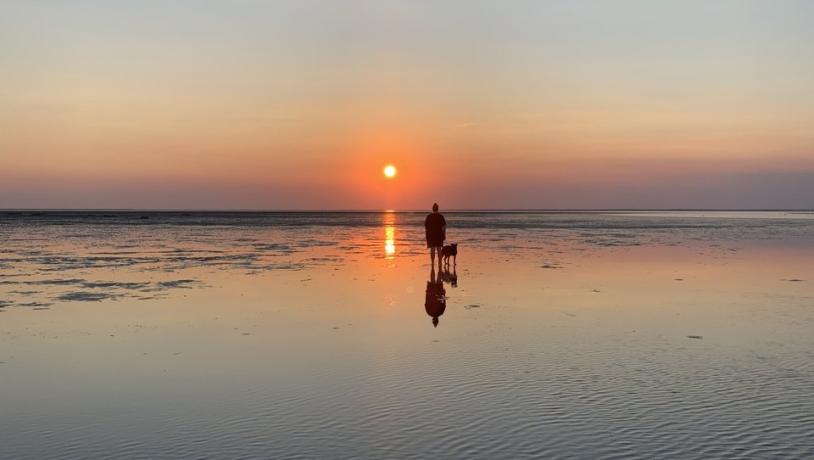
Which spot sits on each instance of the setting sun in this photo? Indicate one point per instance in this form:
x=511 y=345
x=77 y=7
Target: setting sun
x=389 y=171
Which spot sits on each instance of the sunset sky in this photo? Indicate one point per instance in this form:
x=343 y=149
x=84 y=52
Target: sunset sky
x=300 y=104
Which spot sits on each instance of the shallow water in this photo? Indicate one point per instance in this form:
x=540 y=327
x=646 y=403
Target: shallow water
x=308 y=335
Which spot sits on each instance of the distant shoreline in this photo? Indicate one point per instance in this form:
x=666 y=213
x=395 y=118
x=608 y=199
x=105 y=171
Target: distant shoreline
x=376 y=211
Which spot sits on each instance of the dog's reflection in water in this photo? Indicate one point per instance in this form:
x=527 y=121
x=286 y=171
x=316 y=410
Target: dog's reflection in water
x=435 y=301
x=448 y=276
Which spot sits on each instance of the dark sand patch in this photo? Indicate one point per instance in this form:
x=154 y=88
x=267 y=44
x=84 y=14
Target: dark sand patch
x=151 y=297
x=177 y=284
x=35 y=305
x=56 y=282
x=276 y=247
x=114 y=284
x=144 y=286
x=84 y=296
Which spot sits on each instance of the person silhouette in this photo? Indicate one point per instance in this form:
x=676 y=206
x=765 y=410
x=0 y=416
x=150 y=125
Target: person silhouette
x=435 y=301
x=435 y=227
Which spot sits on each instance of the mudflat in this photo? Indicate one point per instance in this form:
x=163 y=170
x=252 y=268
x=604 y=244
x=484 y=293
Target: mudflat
x=287 y=335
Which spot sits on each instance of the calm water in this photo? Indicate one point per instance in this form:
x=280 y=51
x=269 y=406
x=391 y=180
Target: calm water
x=311 y=335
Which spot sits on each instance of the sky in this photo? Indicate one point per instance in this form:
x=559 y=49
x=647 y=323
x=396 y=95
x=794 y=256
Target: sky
x=300 y=104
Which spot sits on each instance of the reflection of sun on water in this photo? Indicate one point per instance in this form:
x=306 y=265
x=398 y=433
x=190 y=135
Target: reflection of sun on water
x=390 y=242
x=389 y=235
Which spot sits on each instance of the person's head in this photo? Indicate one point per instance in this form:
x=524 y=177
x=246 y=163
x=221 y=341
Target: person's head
x=435 y=207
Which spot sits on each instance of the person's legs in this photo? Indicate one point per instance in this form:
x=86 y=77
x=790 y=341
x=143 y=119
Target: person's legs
x=432 y=256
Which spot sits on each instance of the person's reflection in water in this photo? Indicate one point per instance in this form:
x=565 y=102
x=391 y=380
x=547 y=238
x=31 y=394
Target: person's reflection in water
x=435 y=301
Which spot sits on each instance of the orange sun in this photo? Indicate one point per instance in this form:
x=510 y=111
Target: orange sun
x=389 y=171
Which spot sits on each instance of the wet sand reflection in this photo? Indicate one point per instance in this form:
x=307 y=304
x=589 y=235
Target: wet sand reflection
x=389 y=235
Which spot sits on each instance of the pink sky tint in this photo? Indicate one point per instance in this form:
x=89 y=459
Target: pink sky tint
x=284 y=105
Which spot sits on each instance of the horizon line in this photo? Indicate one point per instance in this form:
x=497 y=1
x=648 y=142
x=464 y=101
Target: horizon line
x=368 y=210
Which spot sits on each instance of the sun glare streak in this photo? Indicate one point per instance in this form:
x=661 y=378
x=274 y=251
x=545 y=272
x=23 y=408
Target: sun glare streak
x=389 y=235
x=390 y=242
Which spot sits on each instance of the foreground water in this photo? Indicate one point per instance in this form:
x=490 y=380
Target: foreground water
x=311 y=335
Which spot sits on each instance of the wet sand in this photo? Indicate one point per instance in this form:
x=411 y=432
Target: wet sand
x=637 y=335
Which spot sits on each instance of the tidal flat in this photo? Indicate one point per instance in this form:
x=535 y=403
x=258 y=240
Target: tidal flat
x=328 y=335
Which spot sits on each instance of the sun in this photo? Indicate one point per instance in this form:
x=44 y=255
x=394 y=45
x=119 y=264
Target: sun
x=390 y=171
